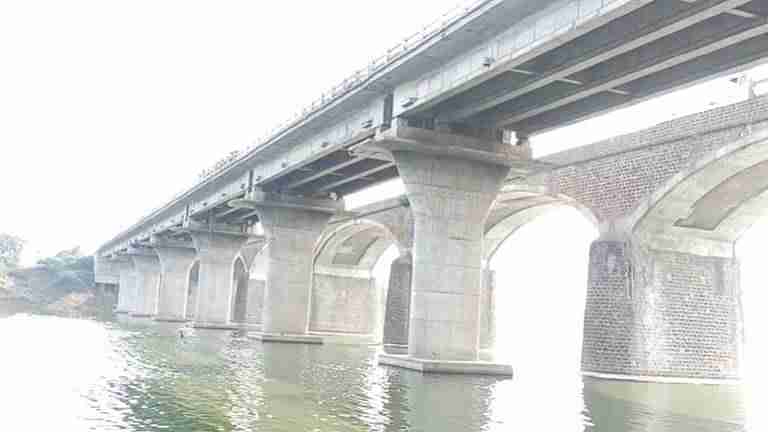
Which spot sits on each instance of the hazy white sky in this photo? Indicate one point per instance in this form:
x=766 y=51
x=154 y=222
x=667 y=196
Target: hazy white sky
x=110 y=107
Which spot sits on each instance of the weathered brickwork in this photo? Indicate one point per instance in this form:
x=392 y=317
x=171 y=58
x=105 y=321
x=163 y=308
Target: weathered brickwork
x=612 y=177
x=660 y=313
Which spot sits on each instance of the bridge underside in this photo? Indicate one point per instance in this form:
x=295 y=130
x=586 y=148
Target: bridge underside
x=657 y=47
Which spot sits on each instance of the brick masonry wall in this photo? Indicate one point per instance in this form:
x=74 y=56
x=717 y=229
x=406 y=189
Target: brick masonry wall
x=661 y=314
x=613 y=176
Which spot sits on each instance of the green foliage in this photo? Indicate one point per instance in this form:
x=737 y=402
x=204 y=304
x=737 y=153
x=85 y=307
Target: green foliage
x=10 y=254
x=70 y=269
x=10 y=251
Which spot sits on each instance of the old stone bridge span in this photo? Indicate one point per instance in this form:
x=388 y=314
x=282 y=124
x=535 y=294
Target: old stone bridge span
x=266 y=243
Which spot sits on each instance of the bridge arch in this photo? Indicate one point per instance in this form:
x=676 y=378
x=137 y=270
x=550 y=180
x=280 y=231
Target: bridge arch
x=193 y=288
x=706 y=207
x=346 y=295
x=519 y=205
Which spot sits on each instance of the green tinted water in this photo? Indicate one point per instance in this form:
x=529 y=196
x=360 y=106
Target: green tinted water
x=76 y=375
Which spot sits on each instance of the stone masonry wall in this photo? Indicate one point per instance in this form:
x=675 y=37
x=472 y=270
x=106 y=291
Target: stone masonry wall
x=343 y=304
x=612 y=177
x=659 y=313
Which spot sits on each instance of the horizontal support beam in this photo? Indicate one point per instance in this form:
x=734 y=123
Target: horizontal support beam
x=335 y=166
x=361 y=175
x=671 y=58
x=646 y=32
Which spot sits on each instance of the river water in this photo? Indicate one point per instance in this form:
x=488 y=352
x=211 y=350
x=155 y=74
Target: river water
x=78 y=375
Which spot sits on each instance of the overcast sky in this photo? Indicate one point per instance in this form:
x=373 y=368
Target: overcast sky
x=108 y=108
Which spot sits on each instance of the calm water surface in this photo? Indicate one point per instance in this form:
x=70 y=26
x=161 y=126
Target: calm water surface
x=76 y=375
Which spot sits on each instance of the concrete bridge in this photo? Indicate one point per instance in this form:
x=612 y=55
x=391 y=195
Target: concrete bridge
x=663 y=295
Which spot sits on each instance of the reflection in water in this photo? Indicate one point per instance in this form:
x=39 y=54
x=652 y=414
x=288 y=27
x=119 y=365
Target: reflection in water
x=61 y=374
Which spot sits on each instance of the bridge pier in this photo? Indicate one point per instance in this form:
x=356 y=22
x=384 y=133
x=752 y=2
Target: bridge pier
x=175 y=263
x=292 y=226
x=397 y=310
x=661 y=315
x=216 y=251
x=451 y=182
x=126 y=296
x=147 y=282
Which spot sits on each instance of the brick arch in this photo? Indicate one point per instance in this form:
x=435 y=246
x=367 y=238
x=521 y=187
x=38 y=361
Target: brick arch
x=355 y=244
x=519 y=206
x=709 y=204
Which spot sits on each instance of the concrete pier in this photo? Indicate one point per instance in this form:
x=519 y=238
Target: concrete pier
x=147 y=271
x=126 y=297
x=175 y=262
x=451 y=182
x=216 y=251
x=292 y=227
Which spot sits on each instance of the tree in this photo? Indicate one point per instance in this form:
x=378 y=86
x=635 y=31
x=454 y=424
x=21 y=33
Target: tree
x=70 y=269
x=10 y=251
x=10 y=254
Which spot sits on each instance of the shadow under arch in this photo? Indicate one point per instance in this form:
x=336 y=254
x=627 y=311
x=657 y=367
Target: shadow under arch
x=193 y=288
x=239 y=302
x=706 y=207
x=346 y=296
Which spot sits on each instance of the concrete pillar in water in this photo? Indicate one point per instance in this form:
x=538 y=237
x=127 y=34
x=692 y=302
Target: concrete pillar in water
x=397 y=312
x=661 y=315
x=126 y=295
x=176 y=260
x=291 y=226
x=216 y=251
x=451 y=182
x=147 y=279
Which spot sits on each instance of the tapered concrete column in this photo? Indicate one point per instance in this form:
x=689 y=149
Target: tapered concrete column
x=291 y=226
x=175 y=264
x=661 y=315
x=147 y=271
x=216 y=251
x=451 y=183
x=397 y=312
x=126 y=296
